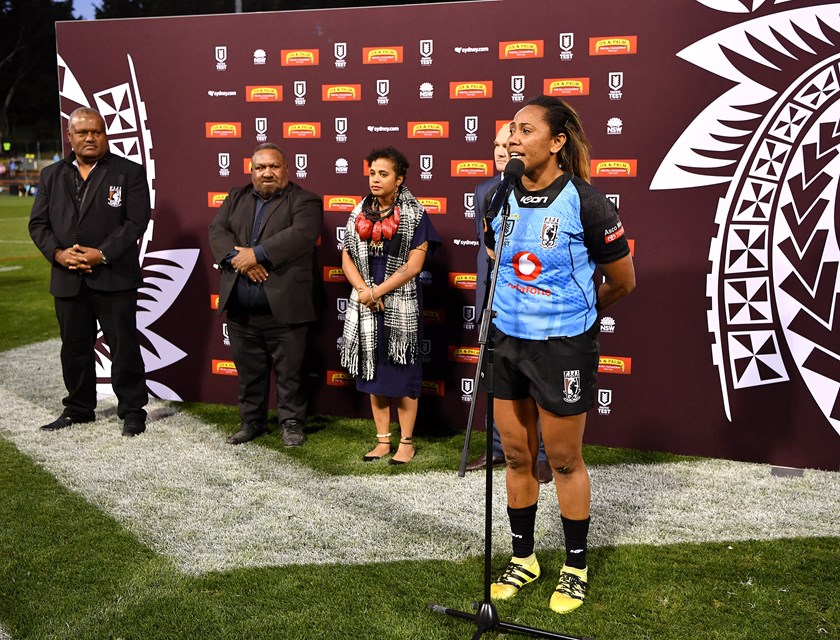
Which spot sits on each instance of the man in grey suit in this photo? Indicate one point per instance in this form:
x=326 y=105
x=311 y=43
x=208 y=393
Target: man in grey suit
x=89 y=213
x=263 y=240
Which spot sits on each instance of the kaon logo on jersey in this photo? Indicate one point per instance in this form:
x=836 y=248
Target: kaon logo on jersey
x=566 y=86
x=432 y=388
x=462 y=280
x=615 y=364
x=439 y=129
x=216 y=198
x=341 y=92
x=527 y=266
x=223 y=129
x=470 y=168
x=264 y=93
x=298 y=57
x=341 y=204
x=613 y=46
x=467 y=90
x=214 y=301
x=339 y=379
x=521 y=49
x=433 y=205
x=382 y=55
x=468 y=355
x=223 y=368
x=334 y=274
x=301 y=129
x=613 y=168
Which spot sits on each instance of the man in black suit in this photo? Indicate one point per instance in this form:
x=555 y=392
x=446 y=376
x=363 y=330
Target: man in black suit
x=263 y=239
x=483 y=194
x=90 y=211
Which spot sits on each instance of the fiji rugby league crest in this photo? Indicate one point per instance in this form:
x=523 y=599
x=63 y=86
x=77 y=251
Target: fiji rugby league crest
x=114 y=196
x=548 y=233
x=571 y=386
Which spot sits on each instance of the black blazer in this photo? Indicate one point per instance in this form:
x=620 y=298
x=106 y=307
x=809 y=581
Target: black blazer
x=288 y=232
x=112 y=218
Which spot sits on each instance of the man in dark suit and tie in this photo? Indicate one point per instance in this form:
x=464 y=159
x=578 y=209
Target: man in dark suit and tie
x=263 y=239
x=90 y=211
x=483 y=194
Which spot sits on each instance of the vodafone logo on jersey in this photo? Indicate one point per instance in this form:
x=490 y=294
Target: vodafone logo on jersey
x=527 y=266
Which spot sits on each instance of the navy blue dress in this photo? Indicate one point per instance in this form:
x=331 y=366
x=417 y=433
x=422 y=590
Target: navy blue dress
x=392 y=380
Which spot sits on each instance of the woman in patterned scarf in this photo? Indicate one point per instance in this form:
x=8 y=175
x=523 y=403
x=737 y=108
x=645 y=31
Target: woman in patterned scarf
x=385 y=244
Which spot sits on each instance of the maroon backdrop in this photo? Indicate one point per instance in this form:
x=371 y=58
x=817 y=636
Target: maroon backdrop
x=714 y=126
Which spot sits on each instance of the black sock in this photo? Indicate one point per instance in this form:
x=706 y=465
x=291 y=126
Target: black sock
x=575 y=532
x=522 y=523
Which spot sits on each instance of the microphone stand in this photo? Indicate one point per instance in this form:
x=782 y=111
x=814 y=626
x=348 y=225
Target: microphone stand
x=486 y=617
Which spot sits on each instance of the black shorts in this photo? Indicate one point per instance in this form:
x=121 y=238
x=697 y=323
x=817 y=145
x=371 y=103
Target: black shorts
x=559 y=373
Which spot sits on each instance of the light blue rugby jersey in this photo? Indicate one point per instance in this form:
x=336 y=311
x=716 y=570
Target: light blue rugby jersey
x=555 y=237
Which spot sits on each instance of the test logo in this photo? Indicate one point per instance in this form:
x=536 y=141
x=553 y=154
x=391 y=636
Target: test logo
x=604 y=401
x=221 y=58
x=301 y=162
x=261 y=127
x=383 y=87
x=300 y=92
x=567 y=43
x=340 y=51
x=468 y=314
x=341 y=129
x=471 y=128
x=341 y=307
x=224 y=165
x=467 y=386
x=426 y=50
x=469 y=205
x=426 y=164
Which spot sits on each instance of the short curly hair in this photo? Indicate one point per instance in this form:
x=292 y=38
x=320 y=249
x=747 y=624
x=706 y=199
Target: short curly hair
x=394 y=155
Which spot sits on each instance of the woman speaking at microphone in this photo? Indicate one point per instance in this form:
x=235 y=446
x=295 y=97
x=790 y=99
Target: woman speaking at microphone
x=546 y=332
x=385 y=245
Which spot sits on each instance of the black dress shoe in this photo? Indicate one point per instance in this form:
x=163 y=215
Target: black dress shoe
x=61 y=423
x=133 y=428
x=293 y=435
x=247 y=432
x=544 y=473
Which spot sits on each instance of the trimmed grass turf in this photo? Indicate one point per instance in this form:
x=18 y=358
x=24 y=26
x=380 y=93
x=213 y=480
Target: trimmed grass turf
x=72 y=572
x=26 y=305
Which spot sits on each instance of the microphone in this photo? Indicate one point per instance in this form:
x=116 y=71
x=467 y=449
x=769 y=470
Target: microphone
x=514 y=169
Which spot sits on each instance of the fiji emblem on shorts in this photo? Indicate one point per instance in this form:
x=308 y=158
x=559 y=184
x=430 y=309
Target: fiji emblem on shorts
x=548 y=234
x=571 y=386
x=115 y=196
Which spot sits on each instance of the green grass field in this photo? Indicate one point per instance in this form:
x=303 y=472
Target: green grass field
x=27 y=313
x=69 y=570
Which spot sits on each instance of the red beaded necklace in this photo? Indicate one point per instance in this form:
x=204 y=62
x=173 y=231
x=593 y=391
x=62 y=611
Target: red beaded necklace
x=374 y=223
